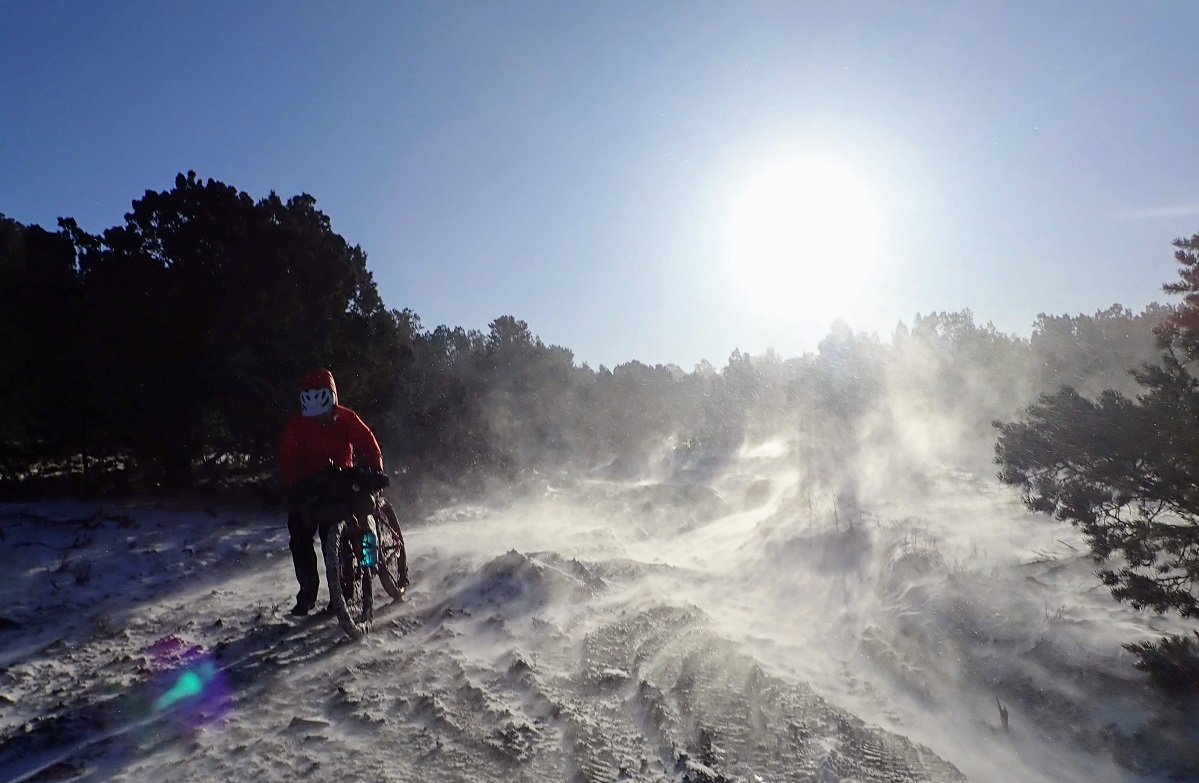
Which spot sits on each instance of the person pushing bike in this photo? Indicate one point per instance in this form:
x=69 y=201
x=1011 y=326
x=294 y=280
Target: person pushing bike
x=321 y=434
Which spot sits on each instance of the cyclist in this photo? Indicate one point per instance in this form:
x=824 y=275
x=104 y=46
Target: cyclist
x=320 y=434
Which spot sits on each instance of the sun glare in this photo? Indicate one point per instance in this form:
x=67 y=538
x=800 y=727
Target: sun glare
x=802 y=239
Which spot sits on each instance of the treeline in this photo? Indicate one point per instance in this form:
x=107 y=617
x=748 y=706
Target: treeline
x=166 y=351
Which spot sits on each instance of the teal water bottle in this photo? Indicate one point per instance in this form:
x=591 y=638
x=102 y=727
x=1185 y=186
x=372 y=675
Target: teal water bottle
x=370 y=549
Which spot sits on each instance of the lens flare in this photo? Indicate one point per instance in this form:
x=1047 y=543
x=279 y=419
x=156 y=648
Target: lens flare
x=192 y=690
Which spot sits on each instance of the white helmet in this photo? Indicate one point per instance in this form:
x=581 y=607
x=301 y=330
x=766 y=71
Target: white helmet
x=314 y=402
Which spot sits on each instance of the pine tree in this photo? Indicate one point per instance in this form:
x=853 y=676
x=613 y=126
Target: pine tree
x=1125 y=471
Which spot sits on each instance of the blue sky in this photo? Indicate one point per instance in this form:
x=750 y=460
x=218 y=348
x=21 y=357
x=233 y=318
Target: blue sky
x=573 y=164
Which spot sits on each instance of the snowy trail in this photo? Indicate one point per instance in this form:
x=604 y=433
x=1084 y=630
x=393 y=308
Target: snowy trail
x=601 y=632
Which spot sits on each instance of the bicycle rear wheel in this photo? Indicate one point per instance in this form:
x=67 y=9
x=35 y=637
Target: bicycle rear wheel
x=393 y=556
x=349 y=583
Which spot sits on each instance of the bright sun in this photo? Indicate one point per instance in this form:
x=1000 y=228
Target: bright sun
x=803 y=239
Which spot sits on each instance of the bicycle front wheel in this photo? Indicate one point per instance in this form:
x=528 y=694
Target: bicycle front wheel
x=393 y=557
x=349 y=583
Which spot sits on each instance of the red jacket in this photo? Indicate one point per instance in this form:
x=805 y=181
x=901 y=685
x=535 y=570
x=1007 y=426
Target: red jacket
x=308 y=447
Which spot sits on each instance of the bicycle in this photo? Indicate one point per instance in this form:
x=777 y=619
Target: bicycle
x=351 y=505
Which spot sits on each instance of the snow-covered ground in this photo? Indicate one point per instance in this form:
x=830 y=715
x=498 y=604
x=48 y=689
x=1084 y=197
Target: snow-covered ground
x=733 y=629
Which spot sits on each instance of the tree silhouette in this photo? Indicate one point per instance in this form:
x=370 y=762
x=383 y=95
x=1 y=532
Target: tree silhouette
x=41 y=406
x=207 y=307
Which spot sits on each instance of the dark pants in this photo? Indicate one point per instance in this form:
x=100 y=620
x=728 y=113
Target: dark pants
x=303 y=554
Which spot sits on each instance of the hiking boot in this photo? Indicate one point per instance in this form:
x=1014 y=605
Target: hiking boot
x=302 y=608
